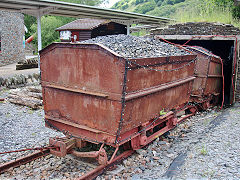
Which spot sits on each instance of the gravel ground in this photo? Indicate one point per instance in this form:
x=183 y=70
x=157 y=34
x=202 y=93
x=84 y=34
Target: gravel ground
x=137 y=47
x=216 y=155
x=205 y=146
x=21 y=127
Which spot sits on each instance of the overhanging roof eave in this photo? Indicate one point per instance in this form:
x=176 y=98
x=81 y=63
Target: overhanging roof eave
x=78 y=10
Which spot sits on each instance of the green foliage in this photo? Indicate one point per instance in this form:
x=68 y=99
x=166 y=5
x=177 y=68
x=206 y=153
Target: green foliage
x=49 y=35
x=159 y=3
x=139 y=33
x=203 y=151
x=139 y=2
x=166 y=11
x=236 y=12
x=163 y=8
x=119 y=4
x=168 y=2
x=146 y=7
x=125 y=6
x=208 y=11
x=162 y=112
x=185 y=10
x=29 y=21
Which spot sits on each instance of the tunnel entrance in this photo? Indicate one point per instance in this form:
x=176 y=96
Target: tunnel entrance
x=224 y=49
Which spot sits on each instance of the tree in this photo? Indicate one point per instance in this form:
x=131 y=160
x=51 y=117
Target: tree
x=125 y=6
x=146 y=7
x=168 y=2
x=139 y=2
x=29 y=21
x=49 y=24
x=159 y=3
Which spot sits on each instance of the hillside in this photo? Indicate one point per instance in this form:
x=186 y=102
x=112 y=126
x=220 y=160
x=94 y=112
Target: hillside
x=163 y=8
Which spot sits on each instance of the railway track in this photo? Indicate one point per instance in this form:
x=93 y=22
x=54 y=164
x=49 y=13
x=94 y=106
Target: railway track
x=97 y=170
x=23 y=160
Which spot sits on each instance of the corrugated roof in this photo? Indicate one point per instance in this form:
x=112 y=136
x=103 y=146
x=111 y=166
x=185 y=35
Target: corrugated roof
x=83 y=24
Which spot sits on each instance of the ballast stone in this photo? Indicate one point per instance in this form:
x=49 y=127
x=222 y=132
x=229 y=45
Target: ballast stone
x=137 y=47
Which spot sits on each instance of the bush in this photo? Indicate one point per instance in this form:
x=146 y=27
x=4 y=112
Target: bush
x=163 y=11
x=149 y=6
x=168 y=2
x=139 y=2
x=49 y=35
x=125 y=6
x=207 y=11
x=159 y=3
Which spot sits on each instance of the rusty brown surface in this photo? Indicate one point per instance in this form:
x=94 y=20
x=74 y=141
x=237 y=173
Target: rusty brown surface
x=139 y=79
x=141 y=110
x=82 y=89
x=208 y=72
x=87 y=68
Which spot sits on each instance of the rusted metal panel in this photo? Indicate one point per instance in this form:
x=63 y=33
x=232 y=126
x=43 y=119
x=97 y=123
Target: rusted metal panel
x=208 y=72
x=82 y=89
x=214 y=80
x=141 y=110
x=140 y=78
x=213 y=86
x=90 y=111
x=215 y=68
x=83 y=68
x=76 y=83
x=199 y=85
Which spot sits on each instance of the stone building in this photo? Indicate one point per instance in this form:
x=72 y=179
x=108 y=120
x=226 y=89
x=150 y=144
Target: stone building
x=11 y=37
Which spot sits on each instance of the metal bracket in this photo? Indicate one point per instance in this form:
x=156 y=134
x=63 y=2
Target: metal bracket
x=63 y=146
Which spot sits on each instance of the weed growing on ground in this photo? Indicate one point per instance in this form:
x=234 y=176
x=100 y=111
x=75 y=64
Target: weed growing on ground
x=208 y=173
x=206 y=121
x=3 y=90
x=8 y=114
x=203 y=151
x=39 y=114
x=30 y=111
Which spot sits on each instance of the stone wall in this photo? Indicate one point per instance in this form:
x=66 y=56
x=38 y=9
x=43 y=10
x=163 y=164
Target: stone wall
x=201 y=28
x=19 y=80
x=12 y=32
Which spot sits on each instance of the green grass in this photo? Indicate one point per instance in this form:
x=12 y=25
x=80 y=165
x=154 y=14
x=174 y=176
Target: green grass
x=30 y=111
x=205 y=11
x=203 y=151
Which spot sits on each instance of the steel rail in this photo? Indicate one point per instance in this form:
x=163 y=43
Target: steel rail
x=23 y=160
x=102 y=168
